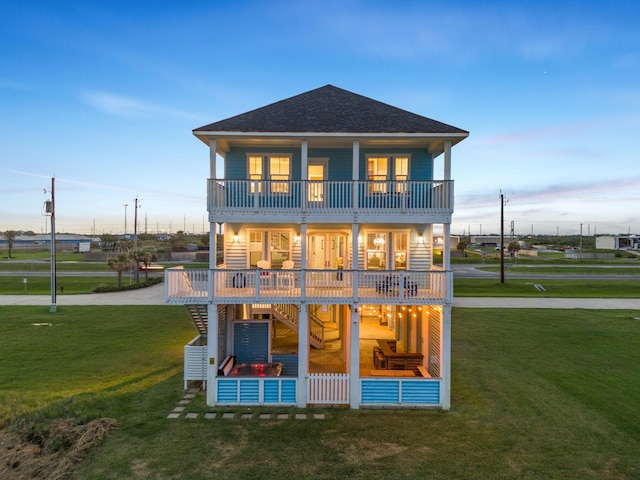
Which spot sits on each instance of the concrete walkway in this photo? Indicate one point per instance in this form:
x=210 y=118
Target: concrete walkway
x=155 y=296
x=143 y=296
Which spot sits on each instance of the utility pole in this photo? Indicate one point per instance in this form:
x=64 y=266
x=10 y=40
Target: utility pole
x=135 y=224
x=50 y=209
x=125 y=218
x=501 y=238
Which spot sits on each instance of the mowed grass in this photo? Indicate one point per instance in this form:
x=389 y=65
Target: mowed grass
x=536 y=394
x=86 y=351
x=41 y=285
x=553 y=287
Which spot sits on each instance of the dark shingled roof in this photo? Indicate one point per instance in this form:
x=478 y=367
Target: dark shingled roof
x=330 y=109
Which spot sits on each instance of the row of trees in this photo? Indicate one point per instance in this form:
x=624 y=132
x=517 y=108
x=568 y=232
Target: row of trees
x=128 y=256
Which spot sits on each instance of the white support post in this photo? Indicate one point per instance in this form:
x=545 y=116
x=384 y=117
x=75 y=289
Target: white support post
x=355 y=260
x=304 y=158
x=355 y=174
x=212 y=352
x=446 y=247
x=213 y=248
x=303 y=262
x=354 y=358
x=354 y=337
x=447 y=160
x=212 y=158
x=445 y=368
x=303 y=355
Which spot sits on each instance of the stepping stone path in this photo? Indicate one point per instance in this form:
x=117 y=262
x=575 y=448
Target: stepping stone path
x=179 y=410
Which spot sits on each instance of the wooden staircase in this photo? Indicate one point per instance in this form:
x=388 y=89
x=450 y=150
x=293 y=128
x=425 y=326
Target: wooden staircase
x=199 y=316
x=289 y=314
x=285 y=313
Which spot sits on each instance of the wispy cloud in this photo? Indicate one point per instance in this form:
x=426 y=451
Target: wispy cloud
x=103 y=186
x=121 y=105
x=601 y=191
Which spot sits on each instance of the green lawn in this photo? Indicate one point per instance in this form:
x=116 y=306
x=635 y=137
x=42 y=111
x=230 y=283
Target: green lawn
x=554 y=287
x=41 y=285
x=536 y=394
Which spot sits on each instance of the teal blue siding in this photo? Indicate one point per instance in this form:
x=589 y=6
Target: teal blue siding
x=400 y=392
x=288 y=391
x=249 y=391
x=289 y=364
x=340 y=160
x=421 y=392
x=251 y=342
x=228 y=391
x=236 y=163
x=381 y=391
x=271 y=391
x=420 y=164
x=279 y=391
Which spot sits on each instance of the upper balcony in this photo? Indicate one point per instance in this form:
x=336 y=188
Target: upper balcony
x=391 y=201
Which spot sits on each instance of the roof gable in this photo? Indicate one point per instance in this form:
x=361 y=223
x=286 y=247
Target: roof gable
x=330 y=109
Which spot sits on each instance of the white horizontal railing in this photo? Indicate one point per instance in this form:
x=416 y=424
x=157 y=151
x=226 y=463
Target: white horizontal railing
x=330 y=196
x=185 y=286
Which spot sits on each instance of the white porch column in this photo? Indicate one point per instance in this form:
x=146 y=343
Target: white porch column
x=303 y=262
x=447 y=160
x=355 y=392
x=355 y=174
x=304 y=159
x=445 y=368
x=354 y=338
x=446 y=247
x=355 y=260
x=212 y=352
x=303 y=354
x=212 y=158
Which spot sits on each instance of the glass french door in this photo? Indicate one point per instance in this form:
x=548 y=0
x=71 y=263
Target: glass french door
x=316 y=176
x=327 y=251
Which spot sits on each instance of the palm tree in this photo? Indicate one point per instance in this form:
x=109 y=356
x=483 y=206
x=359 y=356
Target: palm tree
x=121 y=262
x=10 y=235
x=124 y=244
x=144 y=256
x=147 y=258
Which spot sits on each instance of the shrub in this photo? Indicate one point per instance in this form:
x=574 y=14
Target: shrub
x=148 y=283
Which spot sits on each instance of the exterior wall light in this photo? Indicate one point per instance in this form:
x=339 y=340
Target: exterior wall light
x=296 y=239
x=420 y=239
x=236 y=238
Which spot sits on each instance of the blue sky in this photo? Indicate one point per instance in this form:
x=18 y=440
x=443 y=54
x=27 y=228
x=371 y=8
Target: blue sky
x=104 y=95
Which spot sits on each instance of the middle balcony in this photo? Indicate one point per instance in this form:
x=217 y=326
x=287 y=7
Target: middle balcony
x=407 y=287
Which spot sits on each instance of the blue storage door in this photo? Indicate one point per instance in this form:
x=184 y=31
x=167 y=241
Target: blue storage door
x=251 y=342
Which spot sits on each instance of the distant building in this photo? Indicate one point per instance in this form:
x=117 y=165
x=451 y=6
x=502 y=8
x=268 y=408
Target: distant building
x=491 y=240
x=67 y=241
x=617 y=242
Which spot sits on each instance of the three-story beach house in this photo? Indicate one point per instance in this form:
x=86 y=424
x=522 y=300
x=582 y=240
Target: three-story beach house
x=333 y=289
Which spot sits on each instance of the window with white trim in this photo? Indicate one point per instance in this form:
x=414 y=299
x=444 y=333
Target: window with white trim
x=387 y=173
x=279 y=169
x=376 y=251
x=255 y=172
x=400 y=250
x=276 y=168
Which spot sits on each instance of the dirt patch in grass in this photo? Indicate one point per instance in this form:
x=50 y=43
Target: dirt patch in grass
x=50 y=452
